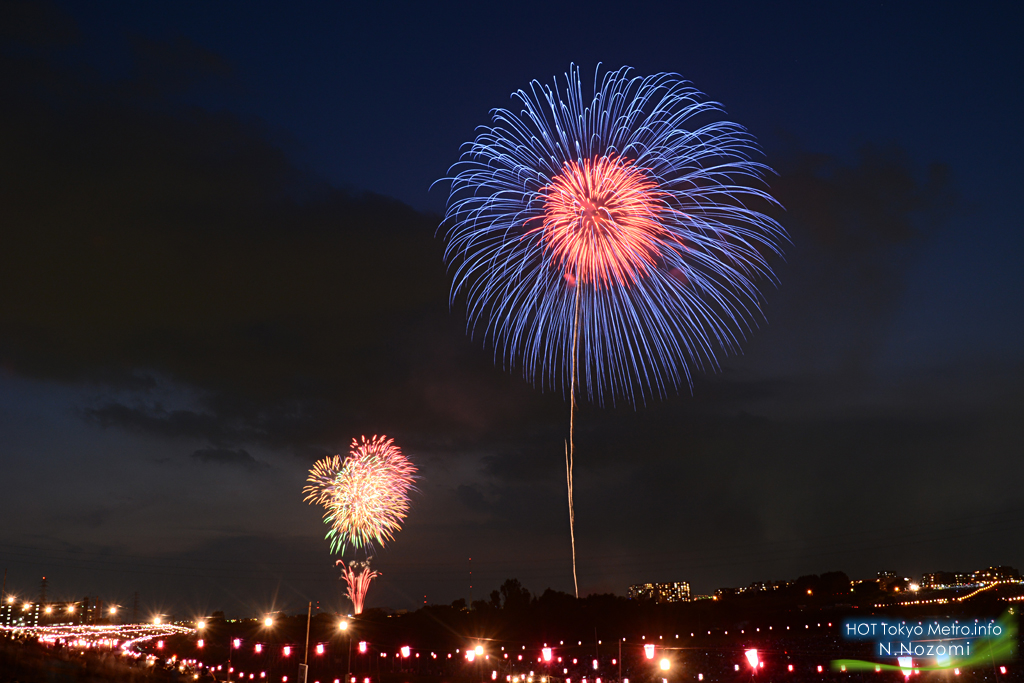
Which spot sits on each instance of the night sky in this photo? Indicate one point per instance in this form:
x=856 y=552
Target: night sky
x=219 y=261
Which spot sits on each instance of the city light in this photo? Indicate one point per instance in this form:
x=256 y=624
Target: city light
x=113 y=610
x=155 y=637
x=156 y=621
x=342 y=625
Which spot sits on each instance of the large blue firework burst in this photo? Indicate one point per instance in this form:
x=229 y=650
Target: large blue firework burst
x=640 y=272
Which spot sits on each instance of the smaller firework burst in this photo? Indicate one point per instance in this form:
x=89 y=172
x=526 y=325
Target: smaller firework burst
x=358 y=576
x=366 y=495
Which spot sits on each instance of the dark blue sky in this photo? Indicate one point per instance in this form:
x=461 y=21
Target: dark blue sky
x=197 y=300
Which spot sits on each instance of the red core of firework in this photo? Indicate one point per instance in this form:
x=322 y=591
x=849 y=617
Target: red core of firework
x=602 y=221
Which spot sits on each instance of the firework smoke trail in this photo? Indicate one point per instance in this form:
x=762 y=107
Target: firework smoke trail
x=358 y=582
x=603 y=244
x=366 y=495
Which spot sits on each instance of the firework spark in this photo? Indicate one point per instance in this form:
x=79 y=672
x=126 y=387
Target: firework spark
x=604 y=243
x=358 y=576
x=601 y=222
x=366 y=495
x=615 y=223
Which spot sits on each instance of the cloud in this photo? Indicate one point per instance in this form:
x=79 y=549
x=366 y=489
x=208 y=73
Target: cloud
x=471 y=497
x=172 y=424
x=145 y=238
x=224 y=456
x=857 y=225
x=863 y=206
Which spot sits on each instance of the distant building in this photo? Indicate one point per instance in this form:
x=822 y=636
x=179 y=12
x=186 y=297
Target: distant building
x=996 y=574
x=756 y=587
x=891 y=583
x=14 y=612
x=940 y=580
x=763 y=587
x=660 y=592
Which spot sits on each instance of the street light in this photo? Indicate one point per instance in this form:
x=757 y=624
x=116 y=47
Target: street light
x=664 y=664
x=268 y=622
x=343 y=627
